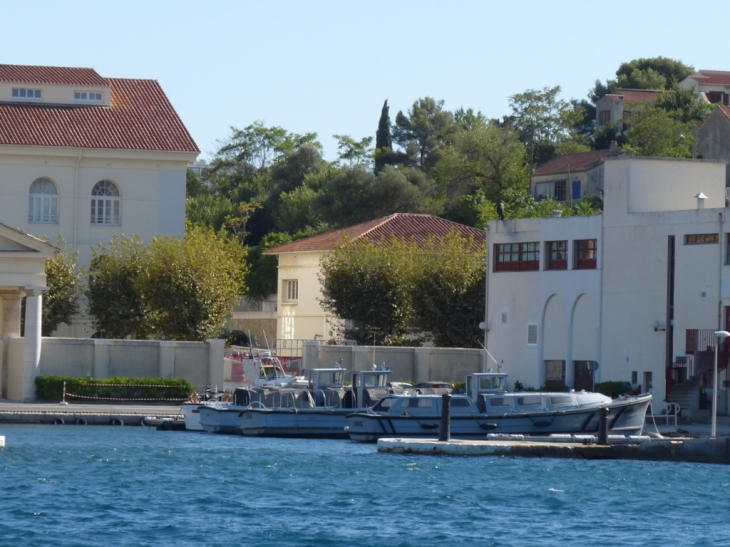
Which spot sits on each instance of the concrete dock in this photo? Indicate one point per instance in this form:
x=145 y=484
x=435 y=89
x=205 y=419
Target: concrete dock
x=85 y=414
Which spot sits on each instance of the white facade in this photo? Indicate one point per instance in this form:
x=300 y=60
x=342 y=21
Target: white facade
x=645 y=284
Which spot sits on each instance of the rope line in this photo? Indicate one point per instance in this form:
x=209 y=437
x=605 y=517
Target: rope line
x=121 y=399
x=119 y=385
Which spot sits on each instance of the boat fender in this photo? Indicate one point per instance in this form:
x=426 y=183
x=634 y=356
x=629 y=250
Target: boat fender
x=80 y=421
x=143 y=422
x=117 y=421
x=58 y=421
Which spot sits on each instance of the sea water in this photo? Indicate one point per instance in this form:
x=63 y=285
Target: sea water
x=78 y=485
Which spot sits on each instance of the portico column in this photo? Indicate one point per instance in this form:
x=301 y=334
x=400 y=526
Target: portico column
x=11 y=329
x=32 y=355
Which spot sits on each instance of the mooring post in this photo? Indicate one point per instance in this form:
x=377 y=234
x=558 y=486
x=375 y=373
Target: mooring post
x=603 y=426
x=63 y=401
x=445 y=432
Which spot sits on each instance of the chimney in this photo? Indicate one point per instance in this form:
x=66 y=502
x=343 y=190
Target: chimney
x=701 y=200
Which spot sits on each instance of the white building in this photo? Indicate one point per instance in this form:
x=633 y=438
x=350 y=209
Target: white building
x=85 y=157
x=630 y=293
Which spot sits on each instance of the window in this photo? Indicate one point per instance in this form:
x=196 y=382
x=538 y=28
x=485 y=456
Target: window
x=22 y=93
x=105 y=204
x=87 y=96
x=701 y=239
x=583 y=375
x=291 y=289
x=554 y=189
x=517 y=257
x=532 y=334
x=43 y=202
x=585 y=254
x=604 y=116
x=554 y=373
x=557 y=255
x=648 y=381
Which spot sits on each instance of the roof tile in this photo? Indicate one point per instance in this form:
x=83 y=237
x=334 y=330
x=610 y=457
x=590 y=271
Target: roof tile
x=51 y=75
x=140 y=118
x=711 y=77
x=636 y=95
x=574 y=162
x=400 y=225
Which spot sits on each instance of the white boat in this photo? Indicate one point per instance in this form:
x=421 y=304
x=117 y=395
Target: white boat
x=488 y=408
x=329 y=405
x=215 y=416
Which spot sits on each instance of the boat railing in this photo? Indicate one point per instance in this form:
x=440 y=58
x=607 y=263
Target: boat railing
x=326 y=398
x=670 y=415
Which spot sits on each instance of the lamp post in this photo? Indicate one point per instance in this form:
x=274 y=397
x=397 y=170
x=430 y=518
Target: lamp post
x=719 y=335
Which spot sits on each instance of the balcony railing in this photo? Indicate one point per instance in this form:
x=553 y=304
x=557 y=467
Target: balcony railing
x=699 y=340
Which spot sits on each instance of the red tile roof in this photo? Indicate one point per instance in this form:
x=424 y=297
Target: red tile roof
x=400 y=225
x=712 y=77
x=51 y=75
x=140 y=118
x=725 y=110
x=636 y=95
x=575 y=162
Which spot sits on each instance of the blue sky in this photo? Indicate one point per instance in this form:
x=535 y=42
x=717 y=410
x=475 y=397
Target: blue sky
x=327 y=66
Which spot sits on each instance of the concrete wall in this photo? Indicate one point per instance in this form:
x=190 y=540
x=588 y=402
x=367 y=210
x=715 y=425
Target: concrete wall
x=200 y=363
x=407 y=364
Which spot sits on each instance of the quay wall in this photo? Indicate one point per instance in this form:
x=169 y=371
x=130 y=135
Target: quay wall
x=407 y=364
x=200 y=363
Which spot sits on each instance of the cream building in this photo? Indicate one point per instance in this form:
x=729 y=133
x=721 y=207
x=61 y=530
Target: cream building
x=299 y=313
x=633 y=294
x=85 y=157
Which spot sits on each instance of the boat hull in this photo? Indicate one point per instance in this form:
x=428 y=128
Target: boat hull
x=319 y=423
x=626 y=417
x=220 y=419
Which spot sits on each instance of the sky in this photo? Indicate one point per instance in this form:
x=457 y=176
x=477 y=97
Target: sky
x=327 y=66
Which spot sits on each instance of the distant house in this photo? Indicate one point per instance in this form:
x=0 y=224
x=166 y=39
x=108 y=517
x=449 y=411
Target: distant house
x=619 y=107
x=85 y=157
x=714 y=135
x=712 y=85
x=567 y=178
x=299 y=312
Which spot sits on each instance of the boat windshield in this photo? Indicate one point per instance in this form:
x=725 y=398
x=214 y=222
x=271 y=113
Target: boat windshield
x=491 y=382
x=379 y=379
x=330 y=378
x=271 y=372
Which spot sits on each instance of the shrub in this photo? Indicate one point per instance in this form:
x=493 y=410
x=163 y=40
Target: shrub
x=50 y=388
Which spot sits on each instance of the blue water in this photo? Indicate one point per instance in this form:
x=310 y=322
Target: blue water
x=93 y=485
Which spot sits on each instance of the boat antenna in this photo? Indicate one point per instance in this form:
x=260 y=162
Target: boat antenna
x=499 y=365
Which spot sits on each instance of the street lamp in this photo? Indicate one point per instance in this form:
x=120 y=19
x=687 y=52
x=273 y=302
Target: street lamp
x=720 y=335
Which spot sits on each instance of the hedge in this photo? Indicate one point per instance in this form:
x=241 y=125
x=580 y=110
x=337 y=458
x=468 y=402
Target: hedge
x=50 y=388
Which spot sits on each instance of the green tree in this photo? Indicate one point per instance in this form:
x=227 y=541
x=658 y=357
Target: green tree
x=423 y=130
x=383 y=140
x=543 y=122
x=656 y=132
x=648 y=73
x=448 y=290
x=371 y=285
x=61 y=302
x=209 y=210
x=354 y=152
x=487 y=157
x=114 y=299
x=191 y=284
x=193 y=185
x=685 y=103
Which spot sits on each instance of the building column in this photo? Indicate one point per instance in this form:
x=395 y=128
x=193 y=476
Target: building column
x=32 y=354
x=11 y=329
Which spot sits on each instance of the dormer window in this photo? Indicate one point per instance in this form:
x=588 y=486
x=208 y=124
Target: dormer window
x=22 y=93
x=87 y=96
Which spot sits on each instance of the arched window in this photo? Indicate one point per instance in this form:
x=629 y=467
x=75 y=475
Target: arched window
x=43 y=202
x=105 y=204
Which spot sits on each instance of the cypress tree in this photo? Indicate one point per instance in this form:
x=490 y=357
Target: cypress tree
x=383 y=141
